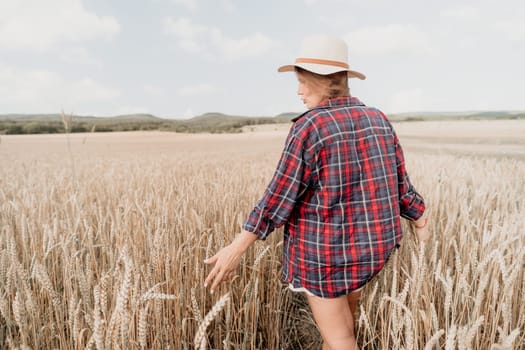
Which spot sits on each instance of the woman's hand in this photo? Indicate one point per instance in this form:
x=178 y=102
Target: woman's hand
x=422 y=232
x=227 y=259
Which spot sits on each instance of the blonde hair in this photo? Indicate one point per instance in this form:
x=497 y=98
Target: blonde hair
x=330 y=86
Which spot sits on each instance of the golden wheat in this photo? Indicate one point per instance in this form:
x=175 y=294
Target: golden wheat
x=102 y=246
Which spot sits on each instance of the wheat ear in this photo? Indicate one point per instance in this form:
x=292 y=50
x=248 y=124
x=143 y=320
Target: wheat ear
x=200 y=340
x=434 y=340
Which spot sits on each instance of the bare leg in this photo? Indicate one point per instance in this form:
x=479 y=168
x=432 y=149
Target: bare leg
x=335 y=322
x=353 y=300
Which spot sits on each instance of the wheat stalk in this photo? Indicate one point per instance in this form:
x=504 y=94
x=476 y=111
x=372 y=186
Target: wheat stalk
x=200 y=336
x=98 y=322
x=143 y=326
x=158 y=296
x=19 y=311
x=41 y=276
x=195 y=306
x=434 y=340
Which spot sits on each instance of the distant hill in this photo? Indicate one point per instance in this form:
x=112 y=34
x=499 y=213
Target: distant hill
x=218 y=122
x=285 y=117
x=58 y=117
x=472 y=115
x=208 y=122
x=52 y=123
x=137 y=117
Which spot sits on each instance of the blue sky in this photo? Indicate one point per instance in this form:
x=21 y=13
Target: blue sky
x=181 y=58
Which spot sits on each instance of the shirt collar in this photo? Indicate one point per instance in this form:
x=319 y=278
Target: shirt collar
x=343 y=101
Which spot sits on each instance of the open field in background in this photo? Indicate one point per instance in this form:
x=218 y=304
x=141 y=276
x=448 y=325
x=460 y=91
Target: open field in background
x=102 y=238
x=502 y=138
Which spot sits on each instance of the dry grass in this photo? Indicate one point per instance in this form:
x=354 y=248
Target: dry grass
x=111 y=255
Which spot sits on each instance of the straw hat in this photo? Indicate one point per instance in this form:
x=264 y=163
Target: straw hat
x=323 y=55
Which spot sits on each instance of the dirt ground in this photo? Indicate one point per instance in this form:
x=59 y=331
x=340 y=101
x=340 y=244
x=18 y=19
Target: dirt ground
x=493 y=138
x=501 y=138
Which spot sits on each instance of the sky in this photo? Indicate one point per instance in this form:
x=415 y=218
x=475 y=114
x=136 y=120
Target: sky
x=184 y=58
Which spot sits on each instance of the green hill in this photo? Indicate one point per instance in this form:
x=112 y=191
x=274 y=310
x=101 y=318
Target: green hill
x=52 y=123
x=208 y=122
x=58 y=117
x=218 y=122
x=473 y=115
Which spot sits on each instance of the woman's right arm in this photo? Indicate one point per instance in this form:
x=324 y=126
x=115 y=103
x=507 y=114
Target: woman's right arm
x=227 y=259
x=288 y=183
x=271 y=211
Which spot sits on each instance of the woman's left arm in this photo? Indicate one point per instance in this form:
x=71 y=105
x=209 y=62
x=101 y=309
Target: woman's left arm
x=411 y=204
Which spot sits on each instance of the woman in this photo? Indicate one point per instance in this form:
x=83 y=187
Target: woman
x=340 y=188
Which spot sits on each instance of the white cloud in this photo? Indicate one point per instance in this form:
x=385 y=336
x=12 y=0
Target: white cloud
x=86 y=89
x=193 y=5
x=189 y=4
x=253 y=45
x=196 y=90
x=153 y=90
x=513 y=30
x=410 y=100
x=40 y=25
x=323 y=2
x=47 y=91
x=78 y=55
x=228 y=6
x=124 y=110
x=394 y=38
x=212 y=41
x=462 y=13
x=188 y=113
x=190 y=35
x=488 y=21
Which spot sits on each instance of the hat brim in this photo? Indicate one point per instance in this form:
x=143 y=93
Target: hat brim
x=321 y=69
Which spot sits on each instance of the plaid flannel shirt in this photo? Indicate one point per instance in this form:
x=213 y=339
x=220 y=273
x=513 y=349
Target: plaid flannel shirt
x=340 y=188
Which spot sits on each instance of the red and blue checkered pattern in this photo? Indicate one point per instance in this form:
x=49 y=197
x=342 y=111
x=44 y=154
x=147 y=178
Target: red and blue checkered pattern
x=340 y=189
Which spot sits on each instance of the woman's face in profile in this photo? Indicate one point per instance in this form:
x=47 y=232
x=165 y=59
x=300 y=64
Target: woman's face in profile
x=310 y=96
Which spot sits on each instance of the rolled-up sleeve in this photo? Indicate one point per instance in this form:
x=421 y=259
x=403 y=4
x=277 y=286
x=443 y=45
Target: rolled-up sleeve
x=411 y=204
x=288 y=183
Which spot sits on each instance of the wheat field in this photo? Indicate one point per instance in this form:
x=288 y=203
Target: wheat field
x=103 y=237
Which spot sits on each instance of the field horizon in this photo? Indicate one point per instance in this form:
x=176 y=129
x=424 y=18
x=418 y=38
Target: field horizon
x=213 y=122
